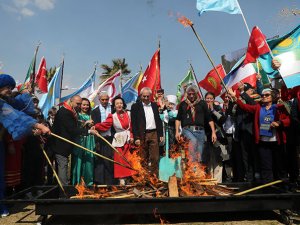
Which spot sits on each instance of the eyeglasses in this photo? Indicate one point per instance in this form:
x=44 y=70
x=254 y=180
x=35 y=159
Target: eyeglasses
x=191 y=94
x=265 y=95
x=146 y=96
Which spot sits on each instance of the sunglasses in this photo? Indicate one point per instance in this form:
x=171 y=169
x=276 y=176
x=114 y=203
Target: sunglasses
x=146 y=96
x=265 y=95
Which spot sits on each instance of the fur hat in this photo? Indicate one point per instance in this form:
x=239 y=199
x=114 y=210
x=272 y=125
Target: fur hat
x=7 y=80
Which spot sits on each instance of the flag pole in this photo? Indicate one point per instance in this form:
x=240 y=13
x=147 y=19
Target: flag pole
x=32 y=75
x=244 y=19
x=155 y=82
x=195 y=78
x=121 y=76
x=62 y=74
x=207 y=54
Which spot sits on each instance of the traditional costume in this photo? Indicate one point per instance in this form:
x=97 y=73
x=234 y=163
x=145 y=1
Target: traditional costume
x=83 y=161
x=121 y=124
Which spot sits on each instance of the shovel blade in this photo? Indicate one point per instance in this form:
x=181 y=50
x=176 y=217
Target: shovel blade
x=168 y=167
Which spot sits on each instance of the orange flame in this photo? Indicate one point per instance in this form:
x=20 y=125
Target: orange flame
x=185 y=21
x=143 y=175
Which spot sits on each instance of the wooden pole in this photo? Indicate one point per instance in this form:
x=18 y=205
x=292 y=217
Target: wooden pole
x=54 y=172
x=116 y=150
x=194 y=75
x=259 y=187
x=88 y=150
x=208 y=56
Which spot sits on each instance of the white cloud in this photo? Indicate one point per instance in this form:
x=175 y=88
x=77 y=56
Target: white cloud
x=21 y=3
x=26 y=8
x=44 y=4
x=26 y=12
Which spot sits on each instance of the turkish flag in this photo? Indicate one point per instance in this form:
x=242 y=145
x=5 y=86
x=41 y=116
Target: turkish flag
x=257 y=45
x=212 y=82
x=41 y=76
x=151 y=76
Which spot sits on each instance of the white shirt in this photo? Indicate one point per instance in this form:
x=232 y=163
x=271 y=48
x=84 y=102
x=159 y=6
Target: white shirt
x=150 y=121
x=104 y=112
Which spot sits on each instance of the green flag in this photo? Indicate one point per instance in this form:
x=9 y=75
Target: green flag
x=29 y=75
x=181 y=87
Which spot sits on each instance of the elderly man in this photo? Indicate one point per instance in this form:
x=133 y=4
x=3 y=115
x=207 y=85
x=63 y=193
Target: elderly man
x=147 y=129
x=192 y=116
x=104 y=170
x=66 y=125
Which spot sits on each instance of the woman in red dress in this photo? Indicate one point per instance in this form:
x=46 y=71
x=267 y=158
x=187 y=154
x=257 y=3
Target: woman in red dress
x=120 y=120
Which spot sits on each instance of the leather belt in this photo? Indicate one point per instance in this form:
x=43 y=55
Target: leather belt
x=149 y=131
x=193 y=128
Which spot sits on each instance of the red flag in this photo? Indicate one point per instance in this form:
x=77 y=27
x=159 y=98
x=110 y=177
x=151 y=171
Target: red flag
x=151 y=76
x=41 y=76
x=257 y=45
x=212 y=82
x=111 y=85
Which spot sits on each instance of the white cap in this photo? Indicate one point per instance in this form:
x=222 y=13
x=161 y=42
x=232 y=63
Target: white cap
x=172 y=99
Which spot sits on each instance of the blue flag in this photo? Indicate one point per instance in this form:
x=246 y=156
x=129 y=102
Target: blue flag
x=48 y=100
x=86 y=89
x=286 y=49
x=228 y=6
x=130 y=88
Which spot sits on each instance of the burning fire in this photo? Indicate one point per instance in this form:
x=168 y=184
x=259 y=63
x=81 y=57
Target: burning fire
x=142 y=176
x=194 y=182
x=185 y=21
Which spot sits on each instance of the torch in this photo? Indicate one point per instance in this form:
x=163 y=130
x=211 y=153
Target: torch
x=186 y=22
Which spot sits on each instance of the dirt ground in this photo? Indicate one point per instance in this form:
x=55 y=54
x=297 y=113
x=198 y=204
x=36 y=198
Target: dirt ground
x=25 y=215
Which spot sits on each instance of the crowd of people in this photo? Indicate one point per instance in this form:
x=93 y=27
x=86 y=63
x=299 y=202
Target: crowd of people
x=252 y=136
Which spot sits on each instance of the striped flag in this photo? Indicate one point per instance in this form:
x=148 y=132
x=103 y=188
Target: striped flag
x=240 y=73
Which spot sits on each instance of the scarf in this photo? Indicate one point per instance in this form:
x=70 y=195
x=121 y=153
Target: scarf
x=68 y=107
x=192 y=107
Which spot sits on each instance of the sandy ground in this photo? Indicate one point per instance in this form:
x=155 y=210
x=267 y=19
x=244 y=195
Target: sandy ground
x=25 y=215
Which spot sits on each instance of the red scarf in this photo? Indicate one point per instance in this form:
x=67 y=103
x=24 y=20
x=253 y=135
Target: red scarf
x=192 y=107
x=68 y=107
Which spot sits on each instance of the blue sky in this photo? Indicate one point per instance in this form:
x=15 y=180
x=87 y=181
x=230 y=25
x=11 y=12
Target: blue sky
x=100 y=30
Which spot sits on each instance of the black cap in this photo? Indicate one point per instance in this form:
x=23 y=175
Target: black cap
x=162 y=91
x=247 y=86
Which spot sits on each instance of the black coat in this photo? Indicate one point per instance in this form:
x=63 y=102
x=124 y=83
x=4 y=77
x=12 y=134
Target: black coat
x=138 y=120
x=66 y=126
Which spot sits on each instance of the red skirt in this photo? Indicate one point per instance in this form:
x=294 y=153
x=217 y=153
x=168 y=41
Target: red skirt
x=120 y=171
x=13 y=164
